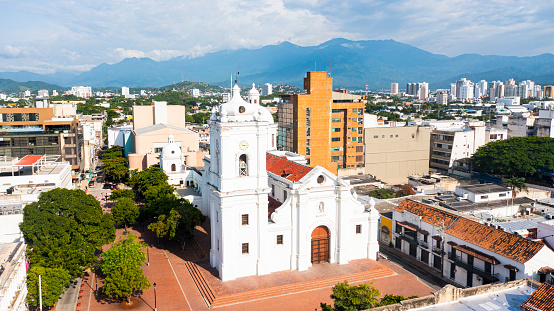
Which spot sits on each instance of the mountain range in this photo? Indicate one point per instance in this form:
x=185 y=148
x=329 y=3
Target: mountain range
x=352 y=64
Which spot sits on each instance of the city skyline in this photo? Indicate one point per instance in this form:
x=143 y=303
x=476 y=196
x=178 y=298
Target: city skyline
x=61 y=36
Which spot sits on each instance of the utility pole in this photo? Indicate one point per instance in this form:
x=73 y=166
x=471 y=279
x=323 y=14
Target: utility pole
x=40 y=291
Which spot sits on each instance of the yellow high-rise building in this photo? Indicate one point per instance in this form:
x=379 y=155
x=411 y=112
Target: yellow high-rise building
x=325 y=126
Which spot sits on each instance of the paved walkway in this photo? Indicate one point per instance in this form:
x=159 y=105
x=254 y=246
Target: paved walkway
x=68 y=300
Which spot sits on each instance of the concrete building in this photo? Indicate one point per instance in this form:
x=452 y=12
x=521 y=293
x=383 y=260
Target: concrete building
x=465 y=251
x=194 y=92
x=42 y=94
x=268 y=213
x=151 y=127
x=451 y=144
x=442 y=97
x=267 y=89
x=464 y=89
x=548 y=91
x=125 y=91
x=120 y=135
x=13 y=275
x=324 y=126
x=394 y=88
x=28 y=131
x=392 y=154
x=80 y=91
x=93 y=140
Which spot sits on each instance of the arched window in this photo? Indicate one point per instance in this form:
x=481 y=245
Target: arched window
x=173 y=167
x=243 y=165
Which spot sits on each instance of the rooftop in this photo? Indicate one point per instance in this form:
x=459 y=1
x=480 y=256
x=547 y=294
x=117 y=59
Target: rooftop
x=485 y=188
x=542 y=299
x=285 y=168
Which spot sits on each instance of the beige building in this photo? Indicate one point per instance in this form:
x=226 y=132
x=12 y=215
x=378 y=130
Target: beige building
x=392 y=154
x=152 y=126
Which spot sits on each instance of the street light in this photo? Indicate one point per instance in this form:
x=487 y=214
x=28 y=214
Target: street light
x=148 y=256
x=155 y=300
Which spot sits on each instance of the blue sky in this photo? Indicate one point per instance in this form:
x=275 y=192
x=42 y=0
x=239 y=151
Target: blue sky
x=69 y=35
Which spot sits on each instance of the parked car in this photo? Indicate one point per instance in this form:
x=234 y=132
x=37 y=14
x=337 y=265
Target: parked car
x=91 y=183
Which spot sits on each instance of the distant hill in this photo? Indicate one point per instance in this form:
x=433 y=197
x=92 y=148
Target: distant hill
x=352 y=64
x=10 y=86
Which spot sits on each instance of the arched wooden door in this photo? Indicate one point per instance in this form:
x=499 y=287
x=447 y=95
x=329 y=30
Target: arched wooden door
x=320 y=245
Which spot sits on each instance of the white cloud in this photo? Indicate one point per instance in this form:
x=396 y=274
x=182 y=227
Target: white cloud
x=157 y=55
x=9 y=51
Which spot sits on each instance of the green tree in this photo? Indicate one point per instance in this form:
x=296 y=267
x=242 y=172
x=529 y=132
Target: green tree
x=516 y=183
x=122 y=193
x=389 y=299
x=353 y=297
x=65 y=228
x=516 y=156
x=150 y=177
x=383 y=193
x=125 y=212
x=121 y=266
x=115 y=168
x=54 y=282
x=176 y=219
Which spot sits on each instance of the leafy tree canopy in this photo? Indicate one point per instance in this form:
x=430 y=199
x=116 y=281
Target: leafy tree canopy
x=383 y=193
x=125 y=212
x=65 y=228
x=516 y=156
x=353 y=297
x=122 y=193
x=54 y=282
x=150 y=177
x=121 y=266
x=405 y=190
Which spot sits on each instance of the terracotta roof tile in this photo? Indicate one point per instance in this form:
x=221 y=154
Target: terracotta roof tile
x=541 y=300
x=287 y=169
x=503 y=243
x=429 y=214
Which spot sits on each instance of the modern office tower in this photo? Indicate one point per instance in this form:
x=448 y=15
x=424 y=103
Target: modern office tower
x=324 y=126
x=394 y=88
x=267 y=89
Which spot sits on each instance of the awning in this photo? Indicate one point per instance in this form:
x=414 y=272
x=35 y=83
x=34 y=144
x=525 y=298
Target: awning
x=436 y=237
x=477 y=254
x=407 y=225
x=423 y=232
x=29 y=160
x=451 y=243
x=545 y=270
x=510 y=267
x=385 y=229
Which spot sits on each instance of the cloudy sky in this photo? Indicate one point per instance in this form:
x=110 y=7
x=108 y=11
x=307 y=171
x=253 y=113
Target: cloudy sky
x=76 y=35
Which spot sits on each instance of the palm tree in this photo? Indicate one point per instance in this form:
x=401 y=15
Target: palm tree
x=517 y=184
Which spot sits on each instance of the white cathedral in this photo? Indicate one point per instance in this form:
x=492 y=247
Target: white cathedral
x=268 y=213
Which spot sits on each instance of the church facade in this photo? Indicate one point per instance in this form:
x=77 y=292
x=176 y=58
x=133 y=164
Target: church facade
x=269 y=213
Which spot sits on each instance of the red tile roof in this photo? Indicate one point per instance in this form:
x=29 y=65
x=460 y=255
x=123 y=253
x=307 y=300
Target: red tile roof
x=287 y=169
x=541 y=300
x=29 y=160
x=503 y=243
x=428 y=213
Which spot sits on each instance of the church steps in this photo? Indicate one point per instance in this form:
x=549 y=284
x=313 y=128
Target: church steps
x=297 y=287
x=200 y=282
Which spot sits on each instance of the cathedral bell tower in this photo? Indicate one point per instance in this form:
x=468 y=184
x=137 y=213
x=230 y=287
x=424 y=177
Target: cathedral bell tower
x=240 y=135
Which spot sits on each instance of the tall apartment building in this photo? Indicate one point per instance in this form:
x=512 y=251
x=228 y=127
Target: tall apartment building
x=419 y=89
x=267 y=89
x=394 y=88
x=28 y=131
x=324 y=126
x=464 y=89
x=124 y=91
x=548 y=91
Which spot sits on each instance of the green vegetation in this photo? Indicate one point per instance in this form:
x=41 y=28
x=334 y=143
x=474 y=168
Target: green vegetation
x=359 y=297
x=144 y=180
x=54 y=281
x=517 y=184
x=125 y=212
x=121 y=267
x=63 y=229
x=114 y=164
x=122 y=193
x=389 y=193
x=516 y=156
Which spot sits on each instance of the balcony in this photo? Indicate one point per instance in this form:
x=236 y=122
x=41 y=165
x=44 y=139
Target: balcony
x=471 y=268
x=423 y=244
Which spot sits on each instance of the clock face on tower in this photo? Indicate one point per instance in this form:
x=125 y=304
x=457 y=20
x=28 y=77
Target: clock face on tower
x=243 y=145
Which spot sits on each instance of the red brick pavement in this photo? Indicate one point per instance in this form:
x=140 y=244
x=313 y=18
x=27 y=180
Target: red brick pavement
x=175 y=289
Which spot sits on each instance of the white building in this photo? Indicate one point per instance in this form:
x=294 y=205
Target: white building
x=116 y=135
x=42 y=93
x=465 y=251
x=80 y=91
x=464 y=89
x=91 y=128
x=268 y=213
x=442 y=97
x=13 y=274
x=172 y=162
x=267 y=89
x=394 y=88
x=194 y=92
x=125 y=91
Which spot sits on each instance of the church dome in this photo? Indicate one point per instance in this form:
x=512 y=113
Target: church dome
x=171 y=150
x=237 y=110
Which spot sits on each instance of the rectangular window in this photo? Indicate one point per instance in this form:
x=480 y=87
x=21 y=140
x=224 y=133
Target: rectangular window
x=354 y=129
x=280 y=239
x=216 y=216
x=360 y=139
x=335 y=139
x=335 y=148
x=245 y=248
x=502 y=195
x=484 y=197
x=354 y=138
x=308 y=112
x=308 y=132
x=307 y=151
x=335 y=158
x=217 y=244
x=307 y=142
x=244 y=219
x=358 y=229
x=284 y=195
x=335 y=130
x=335 y=110
x=273 y=190
x=335 y=120
x=308 y=122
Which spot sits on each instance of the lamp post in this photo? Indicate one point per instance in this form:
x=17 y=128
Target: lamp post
x=148 y=256
x=155 y=300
